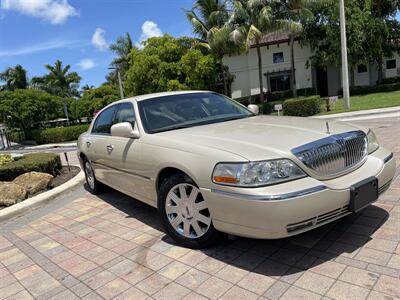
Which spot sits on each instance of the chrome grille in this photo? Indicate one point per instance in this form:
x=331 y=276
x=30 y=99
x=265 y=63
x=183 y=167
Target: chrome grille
x=334 y=154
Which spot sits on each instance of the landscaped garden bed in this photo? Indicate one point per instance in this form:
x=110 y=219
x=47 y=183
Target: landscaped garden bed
x=29 y=175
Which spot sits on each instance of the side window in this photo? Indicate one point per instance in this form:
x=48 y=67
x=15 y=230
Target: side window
x=125 y=113
x=103 y=122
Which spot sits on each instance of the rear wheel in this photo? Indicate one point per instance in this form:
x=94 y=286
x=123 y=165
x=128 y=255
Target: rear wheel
x=185 y=214
x=92 y=184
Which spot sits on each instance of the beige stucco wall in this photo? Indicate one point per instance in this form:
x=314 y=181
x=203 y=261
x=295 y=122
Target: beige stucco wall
x=245 y=68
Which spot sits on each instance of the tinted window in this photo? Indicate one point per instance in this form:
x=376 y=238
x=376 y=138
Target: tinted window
x=125 y=113
x=391 y=64
x=188 y=110
x=278 y=58
x=104 y=121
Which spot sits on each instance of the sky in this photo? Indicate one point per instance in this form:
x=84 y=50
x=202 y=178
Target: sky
x=78 y=32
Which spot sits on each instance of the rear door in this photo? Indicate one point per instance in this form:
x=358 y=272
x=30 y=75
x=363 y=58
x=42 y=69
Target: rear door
x=100 y=141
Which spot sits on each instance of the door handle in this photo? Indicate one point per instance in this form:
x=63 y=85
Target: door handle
x=110 y=147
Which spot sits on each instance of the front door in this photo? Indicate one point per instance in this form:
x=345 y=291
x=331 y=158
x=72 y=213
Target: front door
x=125 y=156
x=322 y=81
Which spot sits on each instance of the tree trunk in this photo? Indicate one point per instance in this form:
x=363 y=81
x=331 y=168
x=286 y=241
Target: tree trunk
x=293 y=70
x=224 y=78
x=380 y=69
x=260 y=75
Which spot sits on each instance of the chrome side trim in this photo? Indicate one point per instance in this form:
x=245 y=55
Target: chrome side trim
x=388 y=158
x=271 y=197
x=121 y=170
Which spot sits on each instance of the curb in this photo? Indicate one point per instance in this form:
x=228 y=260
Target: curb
x=369 y=112
x=35 y=202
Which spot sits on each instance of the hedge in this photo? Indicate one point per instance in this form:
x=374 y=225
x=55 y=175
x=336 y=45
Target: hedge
x=362 y=90
x=302 y=107
x=277 y=96
x=50 y=135
x=391 y=80
x=39 y=162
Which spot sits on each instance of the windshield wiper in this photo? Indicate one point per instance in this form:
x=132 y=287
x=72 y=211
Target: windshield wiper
x=172 y=128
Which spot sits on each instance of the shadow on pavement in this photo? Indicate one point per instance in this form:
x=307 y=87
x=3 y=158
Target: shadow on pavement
x=283 y=257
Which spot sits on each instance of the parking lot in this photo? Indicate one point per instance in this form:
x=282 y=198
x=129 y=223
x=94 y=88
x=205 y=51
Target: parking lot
x=112 y=246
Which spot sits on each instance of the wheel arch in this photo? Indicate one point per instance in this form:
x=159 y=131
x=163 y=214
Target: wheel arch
x=169 y=171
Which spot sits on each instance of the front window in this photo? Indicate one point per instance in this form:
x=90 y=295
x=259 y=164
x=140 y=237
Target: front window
x=125 y=113
x=391 y=64
x=362 y=69
x=103 y=122
x=278 y=58
x=188 y=110
x=279 y=82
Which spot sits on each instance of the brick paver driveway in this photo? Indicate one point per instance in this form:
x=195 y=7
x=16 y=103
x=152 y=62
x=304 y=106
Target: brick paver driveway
x=82 y=246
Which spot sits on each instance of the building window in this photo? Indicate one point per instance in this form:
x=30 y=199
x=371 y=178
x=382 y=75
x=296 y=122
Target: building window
x=362 y=69
x=391 y=64
x=278 y=58
x=279 y=82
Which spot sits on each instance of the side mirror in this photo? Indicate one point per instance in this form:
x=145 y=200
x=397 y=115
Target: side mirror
x=125 y=130
x=253 y=108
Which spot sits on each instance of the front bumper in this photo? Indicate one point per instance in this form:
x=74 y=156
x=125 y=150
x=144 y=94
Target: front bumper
x=294 y=207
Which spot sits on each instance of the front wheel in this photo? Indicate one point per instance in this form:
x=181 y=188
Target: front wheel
x=185 y=214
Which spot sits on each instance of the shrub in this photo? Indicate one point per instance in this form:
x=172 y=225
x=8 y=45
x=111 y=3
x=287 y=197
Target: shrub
x=59 y=134
x=39 y=162
x=5 y=158
x=302 y=107
x=16 y=136
x=391 y=80
x=362 y=90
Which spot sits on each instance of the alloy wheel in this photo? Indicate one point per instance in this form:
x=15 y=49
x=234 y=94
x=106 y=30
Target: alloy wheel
x=187 y=211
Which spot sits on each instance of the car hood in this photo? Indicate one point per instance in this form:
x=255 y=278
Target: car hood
x=258 y=138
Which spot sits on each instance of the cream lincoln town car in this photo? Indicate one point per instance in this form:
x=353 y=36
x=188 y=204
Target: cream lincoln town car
x=211 y=165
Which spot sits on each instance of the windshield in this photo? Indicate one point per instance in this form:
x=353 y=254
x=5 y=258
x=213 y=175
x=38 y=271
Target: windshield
x=188 y=110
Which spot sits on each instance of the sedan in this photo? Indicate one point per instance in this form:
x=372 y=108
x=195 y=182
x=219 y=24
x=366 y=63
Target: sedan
x=211 y=165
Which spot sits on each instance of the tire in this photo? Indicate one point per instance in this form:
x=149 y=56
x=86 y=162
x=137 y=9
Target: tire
x=184 y=213
x=92 y=185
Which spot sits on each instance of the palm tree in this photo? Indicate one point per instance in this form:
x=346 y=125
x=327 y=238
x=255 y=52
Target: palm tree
x=15 y=78
x=122 y=47
x=209 y=22
x=251 y=20
x=59 y=80
x=296 y=12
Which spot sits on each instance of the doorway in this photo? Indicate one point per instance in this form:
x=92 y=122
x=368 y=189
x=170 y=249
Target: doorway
x=322 y=81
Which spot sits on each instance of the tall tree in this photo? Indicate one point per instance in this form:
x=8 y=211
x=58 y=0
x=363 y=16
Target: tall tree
x=58 y=81
x=122 y=47
x=251 y=20
x=14 y=78
x=296 y=12
x=382 y=32
x=209 y=22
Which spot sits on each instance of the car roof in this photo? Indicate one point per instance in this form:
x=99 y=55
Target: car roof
x=162 y=94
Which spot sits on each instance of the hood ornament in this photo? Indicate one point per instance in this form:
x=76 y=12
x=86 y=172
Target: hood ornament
x=327 y=128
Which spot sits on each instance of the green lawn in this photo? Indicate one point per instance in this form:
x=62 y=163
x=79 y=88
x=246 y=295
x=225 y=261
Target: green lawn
x=370 y=101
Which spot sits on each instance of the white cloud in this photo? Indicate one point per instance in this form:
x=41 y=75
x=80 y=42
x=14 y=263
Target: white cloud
x=53 y=11
x=40 y=47
x=86 y=64
x=99 y=39
x=149 y=30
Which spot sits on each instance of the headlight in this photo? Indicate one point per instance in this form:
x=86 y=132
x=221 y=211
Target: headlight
x=255 y=174
x=373 y=144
